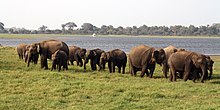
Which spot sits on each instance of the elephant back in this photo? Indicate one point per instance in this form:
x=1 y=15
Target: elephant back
x=118 y=54
x=51 y=46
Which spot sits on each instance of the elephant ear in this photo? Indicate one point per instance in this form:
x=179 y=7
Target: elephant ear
x=155 y=54
x=197 y=61
x=108 y=55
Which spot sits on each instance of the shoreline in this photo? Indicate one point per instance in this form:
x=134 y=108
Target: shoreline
x=74 y=35
x=212 y=55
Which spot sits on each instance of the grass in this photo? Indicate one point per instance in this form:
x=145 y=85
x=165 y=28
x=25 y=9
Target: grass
x=71 y=35
x=23 y=87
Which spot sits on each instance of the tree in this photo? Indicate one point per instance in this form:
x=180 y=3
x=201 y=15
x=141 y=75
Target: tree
x=87 y=28
x=43 y=28
x=70 y=25
x=1 y=26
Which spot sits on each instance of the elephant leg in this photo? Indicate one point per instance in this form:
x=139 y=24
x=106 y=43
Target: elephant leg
x=172 y=74
x=143 y=70
x=147 y=73
x=59 y=67
x=113 y=67
x=165 y=69
x=152 y=70
x=210 y=75
x=123 y=69
x=119 y=69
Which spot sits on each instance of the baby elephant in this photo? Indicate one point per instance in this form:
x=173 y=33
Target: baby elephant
x=114 y=58
x=59 y=58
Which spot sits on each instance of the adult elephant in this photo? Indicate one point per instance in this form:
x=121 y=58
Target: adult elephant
x=94 y=57
x=46 y=49
x=145 y=57
x=21 y=50
x=185 y=62
x=114 y=58
x=168 y=51
x=76 y=54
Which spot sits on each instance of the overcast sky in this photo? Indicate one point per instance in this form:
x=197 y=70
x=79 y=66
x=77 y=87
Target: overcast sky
x=31 y=14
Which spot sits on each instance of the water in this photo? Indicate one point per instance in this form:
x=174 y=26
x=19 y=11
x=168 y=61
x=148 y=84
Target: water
x=208 y=46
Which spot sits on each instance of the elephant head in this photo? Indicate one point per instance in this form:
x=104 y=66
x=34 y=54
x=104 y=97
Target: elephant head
x=89 y=55
x=210 y=63
x=82 y=53
x=158 y=56
x=105 y=57
x=32 y=50
x=199 y=61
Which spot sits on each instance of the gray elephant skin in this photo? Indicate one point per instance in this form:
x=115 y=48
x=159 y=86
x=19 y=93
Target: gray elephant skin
x=46 y=49
x=114 y=58
x=186 y=62
x=59 y=59
x=94 y=57
x=141 y=58
x=76 y=54
x=21 y=50
x=168 y=51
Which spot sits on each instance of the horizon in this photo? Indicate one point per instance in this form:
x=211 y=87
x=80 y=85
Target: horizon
x=32 y=14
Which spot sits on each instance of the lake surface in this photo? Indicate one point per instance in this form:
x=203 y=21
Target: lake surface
x=210 y=46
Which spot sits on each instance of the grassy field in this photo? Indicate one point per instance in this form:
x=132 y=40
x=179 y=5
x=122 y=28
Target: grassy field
x=23 y=87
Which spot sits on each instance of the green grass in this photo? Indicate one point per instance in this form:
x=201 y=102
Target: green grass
x=23 y=87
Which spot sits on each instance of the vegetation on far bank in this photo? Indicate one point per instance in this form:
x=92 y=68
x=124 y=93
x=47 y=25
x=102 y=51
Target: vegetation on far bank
x=74 y=35
x=23 y=87
x=89 y=29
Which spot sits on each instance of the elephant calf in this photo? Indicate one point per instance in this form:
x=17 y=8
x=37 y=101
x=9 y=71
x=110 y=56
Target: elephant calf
x=59 y=58
x=21 y=50
x=168 y=51
x=114 y=58
x=30 y=57
x=76 y=54
x=94 y=57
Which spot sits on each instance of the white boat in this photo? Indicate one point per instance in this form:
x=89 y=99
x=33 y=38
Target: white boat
x=93 y=35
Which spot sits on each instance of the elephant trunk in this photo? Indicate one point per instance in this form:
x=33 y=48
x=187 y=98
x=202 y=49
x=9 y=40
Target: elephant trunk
x=210 y=75
x=102 y=63
x=204 y=72
x=28 y=58
x=85 y=62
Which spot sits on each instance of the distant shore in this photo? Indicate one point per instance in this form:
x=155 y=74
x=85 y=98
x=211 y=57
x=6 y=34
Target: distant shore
x=71 y=35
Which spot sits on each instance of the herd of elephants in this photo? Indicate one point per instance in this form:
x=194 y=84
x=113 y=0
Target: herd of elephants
x=181 y=63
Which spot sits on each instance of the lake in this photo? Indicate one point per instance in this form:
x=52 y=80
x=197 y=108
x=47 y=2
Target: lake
x=208 y=46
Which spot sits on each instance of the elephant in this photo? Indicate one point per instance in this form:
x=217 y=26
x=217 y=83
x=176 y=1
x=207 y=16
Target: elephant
x=76 y=54
x=59 y=58
x=46 y=49
x=21 y=50
x=114 y=58
x=186 y=62
x=94 y=57
x=168 y=51
x=142 y=58
x=33 y=58
x=209 y=64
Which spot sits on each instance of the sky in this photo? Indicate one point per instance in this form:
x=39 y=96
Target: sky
x=31 y=14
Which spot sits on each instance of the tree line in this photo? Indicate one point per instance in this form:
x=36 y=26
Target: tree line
x=88 y=29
